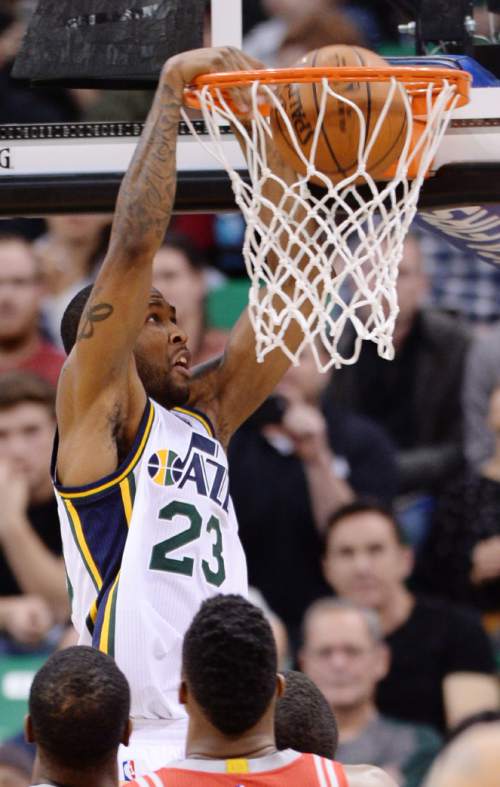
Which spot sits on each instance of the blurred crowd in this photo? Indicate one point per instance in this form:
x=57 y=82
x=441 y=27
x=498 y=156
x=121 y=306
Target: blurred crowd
x=375 y=486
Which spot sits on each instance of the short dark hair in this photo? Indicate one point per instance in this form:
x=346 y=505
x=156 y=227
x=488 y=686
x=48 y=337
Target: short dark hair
x=230 y=663
x=304 y=720
x=362 y=506
x=79 y=705
x=184 y=244
x=20 y=387
x=72 y=316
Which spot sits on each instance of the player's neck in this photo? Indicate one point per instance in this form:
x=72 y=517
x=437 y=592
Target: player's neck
x=352 y=721
x=206 y=742
x=396 y=610
x=45 y=772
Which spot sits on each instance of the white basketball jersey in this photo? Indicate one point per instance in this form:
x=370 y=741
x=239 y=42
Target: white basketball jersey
x=146 y=545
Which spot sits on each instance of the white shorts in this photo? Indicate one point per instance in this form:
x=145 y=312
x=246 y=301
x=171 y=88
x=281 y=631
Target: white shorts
x=152 y=745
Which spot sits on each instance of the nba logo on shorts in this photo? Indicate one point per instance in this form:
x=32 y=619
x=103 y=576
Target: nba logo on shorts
x=128 y=770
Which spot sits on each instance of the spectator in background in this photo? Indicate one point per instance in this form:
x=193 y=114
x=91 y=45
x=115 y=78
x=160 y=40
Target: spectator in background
x=79 y=708
x=19 y=103
x=68 y=254
x=33 y=593
x=290 y=467
x=347 y=25
x=417 y=396
x=21 y=344
x=180 y=274
x=314 y=31
x=344 y=653
x=442 y=663
x=482 y=375
x=461 y=558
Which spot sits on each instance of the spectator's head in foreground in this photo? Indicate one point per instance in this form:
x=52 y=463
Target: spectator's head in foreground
x=472 y=759
x=79 y=708
x=304 y=720
x=229 y=683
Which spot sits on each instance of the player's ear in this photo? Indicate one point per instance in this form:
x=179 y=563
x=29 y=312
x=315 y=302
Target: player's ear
x=183 y=693
x=127 y=732
x=280 y=685
x=28 y=729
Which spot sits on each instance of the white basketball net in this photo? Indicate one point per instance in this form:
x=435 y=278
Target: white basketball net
x=344 y=270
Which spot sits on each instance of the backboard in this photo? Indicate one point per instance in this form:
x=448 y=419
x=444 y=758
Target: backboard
x=78 y=167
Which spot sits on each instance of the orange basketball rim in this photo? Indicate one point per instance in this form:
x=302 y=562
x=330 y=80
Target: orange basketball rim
x=419 y=82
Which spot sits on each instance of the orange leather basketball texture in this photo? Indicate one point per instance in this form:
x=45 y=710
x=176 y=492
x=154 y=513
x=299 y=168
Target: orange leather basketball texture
x=338 y=144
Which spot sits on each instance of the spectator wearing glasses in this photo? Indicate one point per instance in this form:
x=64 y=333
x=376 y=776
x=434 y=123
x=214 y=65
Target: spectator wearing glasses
x=344 y=653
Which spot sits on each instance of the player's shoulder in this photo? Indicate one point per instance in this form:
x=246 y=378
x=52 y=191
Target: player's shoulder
x=367 y=776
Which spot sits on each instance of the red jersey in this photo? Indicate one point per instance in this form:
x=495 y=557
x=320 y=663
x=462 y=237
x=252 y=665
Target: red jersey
x=282 y=769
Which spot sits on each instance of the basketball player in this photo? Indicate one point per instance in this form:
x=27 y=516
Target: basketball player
x=78 y=714
x=140 y=471
x=303 y=719
x=230 y=688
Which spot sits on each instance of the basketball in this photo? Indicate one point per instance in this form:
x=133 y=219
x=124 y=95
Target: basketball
x=338 y=143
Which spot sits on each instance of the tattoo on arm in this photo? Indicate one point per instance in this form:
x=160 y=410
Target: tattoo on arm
x=93 y=313
x=146 y=198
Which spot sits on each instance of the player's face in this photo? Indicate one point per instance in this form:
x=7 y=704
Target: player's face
x=19 y=291
x=342 y=658
x=364 y=561
x=162 y=356
x=26 y=435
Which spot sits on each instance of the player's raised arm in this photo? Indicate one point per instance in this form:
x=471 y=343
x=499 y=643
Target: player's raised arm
x=100 y=382
x=117 y=306
x=236 y=385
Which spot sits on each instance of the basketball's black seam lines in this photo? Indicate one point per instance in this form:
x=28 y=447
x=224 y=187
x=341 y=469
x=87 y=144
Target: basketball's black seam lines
x=323 y=131
x=374 y=164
